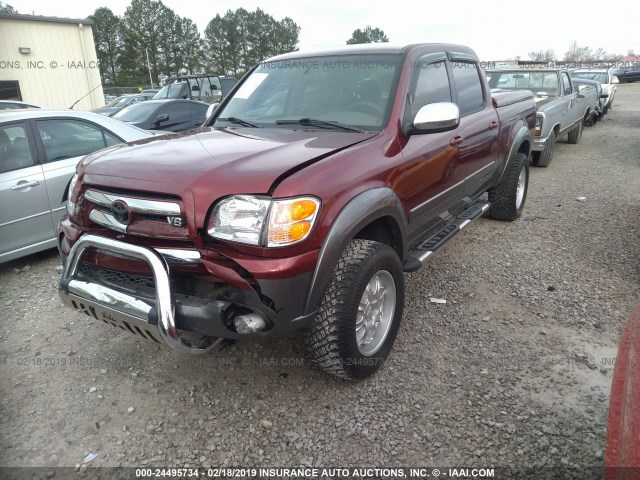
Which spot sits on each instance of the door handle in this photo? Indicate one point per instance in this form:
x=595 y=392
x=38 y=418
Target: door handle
x=457 y=140
x=493 y=125
x=24 y=184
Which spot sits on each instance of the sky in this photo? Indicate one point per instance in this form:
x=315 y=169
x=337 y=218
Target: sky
x=496 y=30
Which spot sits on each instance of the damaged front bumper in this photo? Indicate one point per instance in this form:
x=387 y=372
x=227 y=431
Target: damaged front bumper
x=184 y=322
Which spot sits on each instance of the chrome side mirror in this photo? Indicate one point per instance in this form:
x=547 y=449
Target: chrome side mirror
x=436 y=117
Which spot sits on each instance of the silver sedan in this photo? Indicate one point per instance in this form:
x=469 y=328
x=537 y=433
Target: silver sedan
x=39 y=150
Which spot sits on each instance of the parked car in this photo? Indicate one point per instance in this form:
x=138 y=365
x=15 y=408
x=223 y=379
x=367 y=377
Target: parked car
x=605 y=77
x=301 y=205
x=119 y=103
x=628 y=74
x=562 y=110
x=150 y=91
x=167 y=115
x=39 y=150
x=599 y=98
x=15 y=104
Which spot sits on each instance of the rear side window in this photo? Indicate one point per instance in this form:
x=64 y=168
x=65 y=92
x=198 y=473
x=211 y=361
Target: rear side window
x=431 y=85
x=466 y=78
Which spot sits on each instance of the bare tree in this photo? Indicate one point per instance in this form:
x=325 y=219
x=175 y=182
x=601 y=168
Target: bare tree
x=543 y=56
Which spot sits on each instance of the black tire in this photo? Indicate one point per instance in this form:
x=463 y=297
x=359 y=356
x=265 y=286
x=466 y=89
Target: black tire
x=574 y=135
x=330 y=339
x=543 y=158
x=507 y=199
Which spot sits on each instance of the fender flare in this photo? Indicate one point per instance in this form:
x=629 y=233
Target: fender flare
x=362 y=210
x=523 y=135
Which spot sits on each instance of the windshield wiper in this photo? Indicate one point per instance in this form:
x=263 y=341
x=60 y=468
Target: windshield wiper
x=238 y=121
x=314 y=122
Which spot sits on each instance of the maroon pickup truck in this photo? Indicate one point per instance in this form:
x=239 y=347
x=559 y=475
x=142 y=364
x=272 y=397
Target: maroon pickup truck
x=299 y=204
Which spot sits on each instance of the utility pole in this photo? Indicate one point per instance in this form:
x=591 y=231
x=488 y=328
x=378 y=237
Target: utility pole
x=149 y=67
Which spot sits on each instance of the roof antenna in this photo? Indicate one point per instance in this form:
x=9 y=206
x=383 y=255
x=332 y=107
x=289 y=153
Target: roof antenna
x=71 y=107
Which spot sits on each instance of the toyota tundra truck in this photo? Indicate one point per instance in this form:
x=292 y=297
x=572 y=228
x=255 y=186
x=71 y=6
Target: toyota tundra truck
x=299 y=203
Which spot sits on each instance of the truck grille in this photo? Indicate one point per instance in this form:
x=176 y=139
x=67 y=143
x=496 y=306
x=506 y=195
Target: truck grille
x=120 y=280
x=137 y=215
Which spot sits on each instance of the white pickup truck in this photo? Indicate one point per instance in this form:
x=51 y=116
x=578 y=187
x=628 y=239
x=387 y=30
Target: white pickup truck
x=562 y=107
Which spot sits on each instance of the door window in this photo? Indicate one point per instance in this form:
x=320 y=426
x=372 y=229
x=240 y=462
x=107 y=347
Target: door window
x=14 y=148
x=566 y=84
x=430 y=86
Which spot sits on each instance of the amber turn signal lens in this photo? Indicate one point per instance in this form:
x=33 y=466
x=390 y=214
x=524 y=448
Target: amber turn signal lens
x=302 y=209
x=299 y=230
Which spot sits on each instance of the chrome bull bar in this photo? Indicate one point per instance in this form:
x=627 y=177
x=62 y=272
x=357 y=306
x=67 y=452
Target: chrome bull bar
x=120 y=308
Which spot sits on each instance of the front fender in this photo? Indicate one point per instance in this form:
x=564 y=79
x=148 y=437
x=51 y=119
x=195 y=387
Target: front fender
x=362 y=210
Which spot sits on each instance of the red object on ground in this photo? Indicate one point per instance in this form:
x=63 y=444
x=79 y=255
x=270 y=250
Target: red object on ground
x=622 y=457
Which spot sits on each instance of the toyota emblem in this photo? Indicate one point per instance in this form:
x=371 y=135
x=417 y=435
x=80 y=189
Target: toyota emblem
x=121 y=212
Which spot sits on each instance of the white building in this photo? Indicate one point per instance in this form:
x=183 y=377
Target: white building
x=49 y=61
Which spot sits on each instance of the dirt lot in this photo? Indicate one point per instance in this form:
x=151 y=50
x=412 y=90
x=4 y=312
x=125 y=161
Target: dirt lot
x=514 y=370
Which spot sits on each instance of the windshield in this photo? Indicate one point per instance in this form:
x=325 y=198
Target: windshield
x=351 y=90
x=137 y=112
x=118 y=102
x=597 y=76
x=173 y=90
x=540 y=83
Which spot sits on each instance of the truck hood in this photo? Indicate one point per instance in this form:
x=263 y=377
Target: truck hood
x=203 y=165
x=544 y=100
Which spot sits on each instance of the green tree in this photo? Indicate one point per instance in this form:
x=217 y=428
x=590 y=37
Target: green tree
x=240 y=39
x=192 y=57
x=6 y=8
x=368 y=35
x=144 y=23
x=107 y=34
x=218 y=52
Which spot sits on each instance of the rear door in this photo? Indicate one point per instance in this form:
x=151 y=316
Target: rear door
x=25 y=216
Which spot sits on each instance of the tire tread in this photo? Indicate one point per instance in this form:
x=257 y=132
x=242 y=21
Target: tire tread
x=323 y=340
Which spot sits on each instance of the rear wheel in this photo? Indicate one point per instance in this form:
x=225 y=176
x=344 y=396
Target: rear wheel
x=508 y=197
x=576 y=133
x=543 y=158
x=359 y=316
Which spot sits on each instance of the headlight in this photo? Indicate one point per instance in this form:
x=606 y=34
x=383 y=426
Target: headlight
x=72 y=208
x=263 y=222
x=538 y=131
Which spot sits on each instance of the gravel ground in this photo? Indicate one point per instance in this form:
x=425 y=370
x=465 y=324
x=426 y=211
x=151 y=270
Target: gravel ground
x=514 y=370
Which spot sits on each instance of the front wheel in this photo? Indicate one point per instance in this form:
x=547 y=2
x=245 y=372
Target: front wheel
x=508 y=197
x=359 y=316
x=543 y=158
